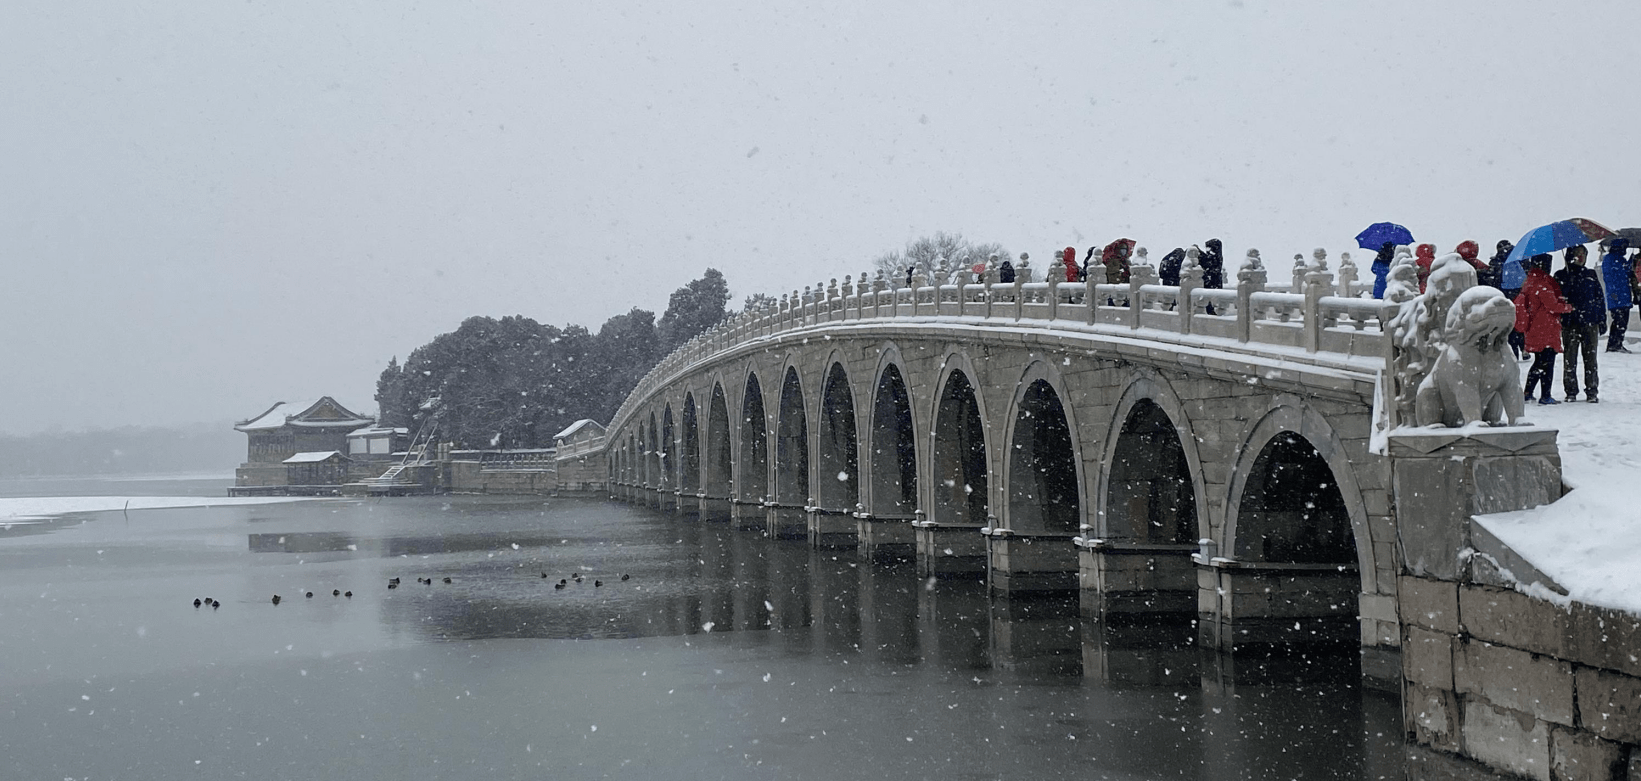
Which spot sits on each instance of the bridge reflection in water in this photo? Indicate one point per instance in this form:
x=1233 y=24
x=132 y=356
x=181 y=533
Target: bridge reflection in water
x=1146 y=686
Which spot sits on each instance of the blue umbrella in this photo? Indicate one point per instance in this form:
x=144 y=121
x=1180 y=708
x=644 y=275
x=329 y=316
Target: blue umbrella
x=1557 y=235
x=1380 y=232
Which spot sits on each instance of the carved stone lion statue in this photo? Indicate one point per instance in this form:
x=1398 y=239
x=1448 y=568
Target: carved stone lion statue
x=1474 y=378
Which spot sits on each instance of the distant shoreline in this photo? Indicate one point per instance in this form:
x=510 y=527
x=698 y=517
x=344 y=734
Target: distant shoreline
x=120 y=477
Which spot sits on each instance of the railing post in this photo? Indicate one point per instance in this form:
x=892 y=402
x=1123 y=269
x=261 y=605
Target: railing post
x=1190 y=280
x=1138 y=276
x=1249 y=280
x=1347 y=276
x=919 y=281
x=1318 y=283
x=1089 y=281
x=987 y=279
x=962 y=282
x=878 y=284
x=1056 y=274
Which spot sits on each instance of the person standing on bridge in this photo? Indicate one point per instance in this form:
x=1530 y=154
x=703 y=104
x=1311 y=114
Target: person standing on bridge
x=1381 y=267
x=1115 y=259
x=1168 y=270
x=1469 y=250
x=1069 y=258
x=1212 y=262
x=1509 y=278
x=1088 y=263
x=1538 y=317
x=1005 y=273
x=1426 y=257
x=1618 y=272
x=1581 y=328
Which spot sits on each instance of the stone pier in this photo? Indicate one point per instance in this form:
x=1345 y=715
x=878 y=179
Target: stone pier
x=886 y=538
x=950 y=549
x=1021 y=564
x=832 y=528
x=786 y=522
x=749 y=516
x=1138 y=578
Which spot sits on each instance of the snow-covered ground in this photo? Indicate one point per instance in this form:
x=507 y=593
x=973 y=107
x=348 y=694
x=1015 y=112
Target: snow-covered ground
x=20 y=510
x=1590 y=540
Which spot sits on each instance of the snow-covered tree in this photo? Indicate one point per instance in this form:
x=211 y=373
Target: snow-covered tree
x=924 y=252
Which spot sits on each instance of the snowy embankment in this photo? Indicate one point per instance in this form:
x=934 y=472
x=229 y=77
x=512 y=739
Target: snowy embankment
x=29 y=509
x=1589 y=541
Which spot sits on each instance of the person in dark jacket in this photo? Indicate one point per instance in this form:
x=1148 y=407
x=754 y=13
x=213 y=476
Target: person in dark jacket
x=1581 y=327
x=1381 y=267
x=1088 y=261
x=1168 y=270
x=1617 y=271
x=1212 y=261
x=1509 y=283
x=910 y=271
x=1005 y=273
x=1538 y=318
x=1487 y=273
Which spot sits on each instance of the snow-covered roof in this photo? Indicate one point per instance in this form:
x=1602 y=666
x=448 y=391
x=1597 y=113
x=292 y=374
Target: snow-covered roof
x=577 y=426
x=378 y=431
x=311 y=458
x=284 y=413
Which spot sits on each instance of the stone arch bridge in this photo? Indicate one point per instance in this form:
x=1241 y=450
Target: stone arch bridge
x=1165 y=450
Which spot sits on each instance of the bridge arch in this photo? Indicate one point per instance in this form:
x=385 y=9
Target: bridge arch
x=1151 y=486
x=719 y=458
x=892 y=441
x=792 y=442
x=689 y=457
x=752 y=468
x=1043 y=478
x=1295 y=523
x=960 y=460
x=669 y=450
x=652 y=454
x=1271 y=482
x=837 y=455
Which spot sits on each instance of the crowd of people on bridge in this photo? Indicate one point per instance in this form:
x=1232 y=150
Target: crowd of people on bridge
x=1570 y=310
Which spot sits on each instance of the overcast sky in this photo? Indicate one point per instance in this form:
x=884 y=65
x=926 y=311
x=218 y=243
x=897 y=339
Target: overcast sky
x=208 y=207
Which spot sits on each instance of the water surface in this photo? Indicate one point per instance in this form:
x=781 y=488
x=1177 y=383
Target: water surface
x=723 y=655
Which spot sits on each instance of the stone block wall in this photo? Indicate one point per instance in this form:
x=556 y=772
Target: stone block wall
x=1523 y=685
x=584 y=473
x=468 y=477
x=260 y=474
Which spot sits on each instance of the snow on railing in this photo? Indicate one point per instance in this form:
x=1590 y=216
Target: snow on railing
x=1312 y=318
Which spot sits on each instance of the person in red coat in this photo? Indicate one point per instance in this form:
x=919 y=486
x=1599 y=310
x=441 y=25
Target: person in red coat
x=1115 y=258
x=1538 y=317
x=1469 y=250
x=1069 y=258
x=1426 y=255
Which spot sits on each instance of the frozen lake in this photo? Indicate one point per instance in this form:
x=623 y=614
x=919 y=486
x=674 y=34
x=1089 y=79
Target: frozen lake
x=723 y=656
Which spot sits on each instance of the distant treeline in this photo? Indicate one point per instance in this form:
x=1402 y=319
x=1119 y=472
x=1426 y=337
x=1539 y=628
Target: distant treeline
x=200 y=448
x=514 y=382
